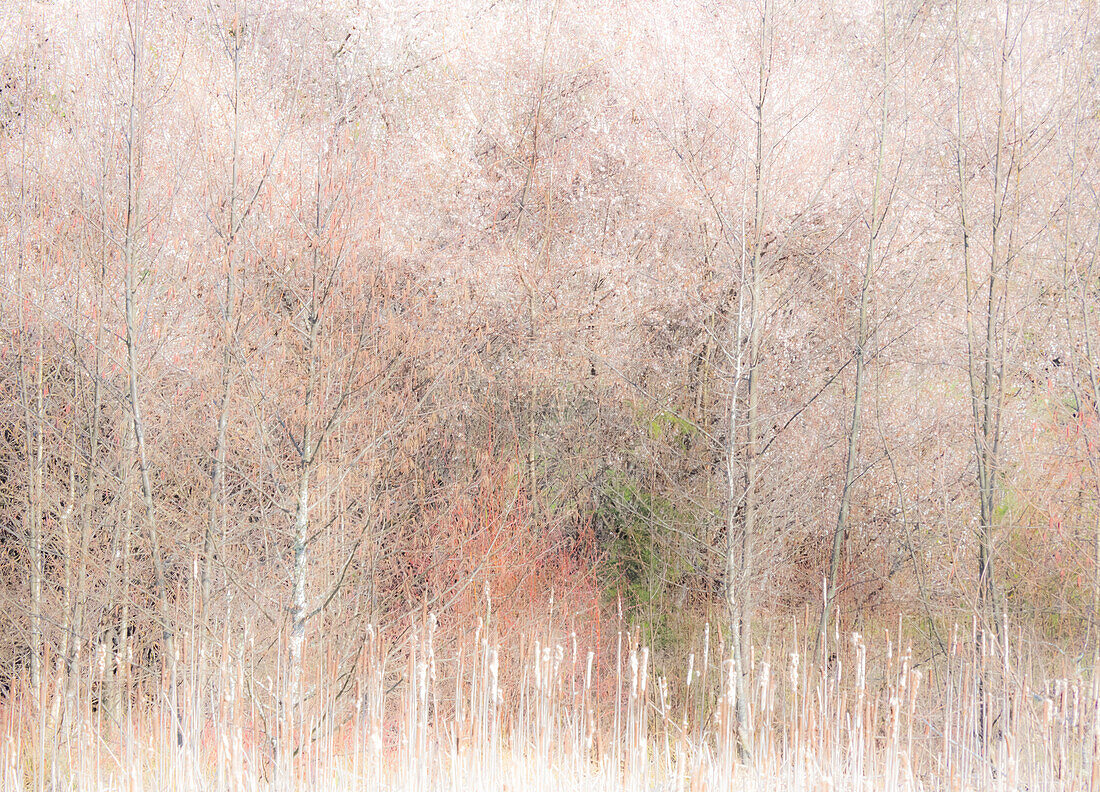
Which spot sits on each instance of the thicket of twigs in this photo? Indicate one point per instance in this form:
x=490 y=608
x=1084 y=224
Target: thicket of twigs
x=652 y=329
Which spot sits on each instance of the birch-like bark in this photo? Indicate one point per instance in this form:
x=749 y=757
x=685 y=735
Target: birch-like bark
x=736 y=590
x=306 y=454
x=741 y=547
x=300 y=552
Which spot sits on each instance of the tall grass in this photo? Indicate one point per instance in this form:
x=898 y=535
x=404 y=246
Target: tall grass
x=984 y=713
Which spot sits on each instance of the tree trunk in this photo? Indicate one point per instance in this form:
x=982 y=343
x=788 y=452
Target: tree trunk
x=739 y=559
x=985 y=400
x=300 y=550
x=91 y=488
x=130 y=257
x=986 y=392
x=840 y=533
x=32 y=430
x=209 y=550
x=69 y=639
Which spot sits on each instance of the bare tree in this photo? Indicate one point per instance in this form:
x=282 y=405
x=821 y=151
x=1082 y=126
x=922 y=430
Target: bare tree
x=1077 y=270
x=741 y=541
x=880 y=206
x=134 y=255
x=985 y=353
